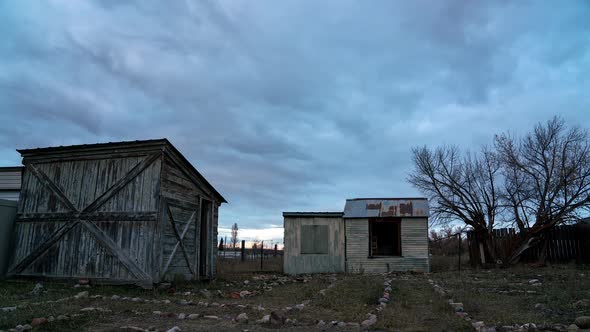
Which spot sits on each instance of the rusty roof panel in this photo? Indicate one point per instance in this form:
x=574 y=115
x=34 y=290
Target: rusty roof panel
x=395 y=207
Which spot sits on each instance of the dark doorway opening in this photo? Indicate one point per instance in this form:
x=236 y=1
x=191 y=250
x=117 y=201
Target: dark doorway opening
x=385 y=237
x=204 y=237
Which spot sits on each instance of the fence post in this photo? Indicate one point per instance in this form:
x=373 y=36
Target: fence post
x=459 y=236
x=261 y=254
x=243 y=249
x=275 y=253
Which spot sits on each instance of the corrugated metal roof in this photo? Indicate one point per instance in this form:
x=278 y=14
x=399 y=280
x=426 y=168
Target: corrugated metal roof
x=58 y=150
x=386 y=207
x=313 y=214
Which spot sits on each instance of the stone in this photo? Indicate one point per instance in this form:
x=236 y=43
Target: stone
x=383 y=300
x=299 y=306
x=246 y=282
x=533 y=281
x=39 y=321
x=183 y=302
x=457 y=306
x=260 y=308
x=88 y=309
x=461 y=314
x=539 y=306
x=581 y=304
x=136 y=299
x=37 y=290
x=156 y=313
x=321 y=323
x=193 y=316
x=115 y=297
x=205 y=292
x=51 y=319
x=27 y=327
x=166 y=301
x=264 y=320
x=181 y=316
x=477 y=324
x=175 y=329
x=63 y=317
x=245 y=293
x=353 y=324
x=323 y=292
x=211 y=317
x=8 y=309
x=573 y=328
x=81 y=295
x=583 y=322
x=277 y=318
x=242 y=318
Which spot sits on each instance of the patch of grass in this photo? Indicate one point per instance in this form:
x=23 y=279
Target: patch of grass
x=415 y=307
x=350 y=300
x=228 y=267
x=505 y=297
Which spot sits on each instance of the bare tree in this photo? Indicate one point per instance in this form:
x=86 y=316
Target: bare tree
x=547 y=180
x=234 y=235
x=460 y=188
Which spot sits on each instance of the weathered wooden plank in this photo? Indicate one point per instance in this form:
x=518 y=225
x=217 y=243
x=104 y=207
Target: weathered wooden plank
x=121 y=183
x=42 y=248
x=43 y=179
x=106 y=241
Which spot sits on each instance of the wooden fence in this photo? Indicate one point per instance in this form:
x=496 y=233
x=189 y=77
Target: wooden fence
x=566 y=243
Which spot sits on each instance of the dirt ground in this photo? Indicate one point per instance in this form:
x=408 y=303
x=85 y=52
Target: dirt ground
x=306 y=303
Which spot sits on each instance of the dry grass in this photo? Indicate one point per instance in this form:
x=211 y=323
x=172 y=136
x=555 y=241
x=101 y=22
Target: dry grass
x=415 y=307
x=227 y=266
x=505 y=297
x=440 y=263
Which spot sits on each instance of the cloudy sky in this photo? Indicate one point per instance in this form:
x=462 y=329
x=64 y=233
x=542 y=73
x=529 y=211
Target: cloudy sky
x=289 y=105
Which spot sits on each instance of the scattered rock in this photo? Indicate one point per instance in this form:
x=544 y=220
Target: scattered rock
x=51 y=319
x=37 y=290
x=88 y=309
x=175 y=329
x=205 y=292
x=277 y=318
x=193 y=316
x=181 y=316
x=39 y=321
x=539 y=306
x=63 y=317
x=246 y=282
x=245 y=293
x=136 y=299
x=300 y=306
x=583 y=322
x=573 y=328
x=157 y=313
x=458 y=306
x=81 y=295
x=8 y=309
x=115 y=297
x=477 y=324
x=370 y=321
x=242 y=318
x=321 y=323
x=260 y=308
x=211 y=317
x=581 y=304
x=264 y=320
x=533 y=281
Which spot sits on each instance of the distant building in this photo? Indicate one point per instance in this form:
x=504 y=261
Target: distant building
x=372 y=235
x=10 y=182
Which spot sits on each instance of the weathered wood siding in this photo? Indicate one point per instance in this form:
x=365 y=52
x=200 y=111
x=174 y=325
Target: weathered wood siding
x=414 y=243
x=185 y=198
x=10 y=182
x=89 y=217
x=297 y=263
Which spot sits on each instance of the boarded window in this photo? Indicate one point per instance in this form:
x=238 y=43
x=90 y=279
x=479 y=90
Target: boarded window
x=385 y=237
x=314 y=239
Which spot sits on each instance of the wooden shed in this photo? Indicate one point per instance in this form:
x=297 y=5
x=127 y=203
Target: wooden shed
x=372 y=235
x=125 y=212
x=314 y=242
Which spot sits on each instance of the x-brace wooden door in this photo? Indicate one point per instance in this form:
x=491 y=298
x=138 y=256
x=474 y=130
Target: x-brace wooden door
x=179 y=247
x=82 y=217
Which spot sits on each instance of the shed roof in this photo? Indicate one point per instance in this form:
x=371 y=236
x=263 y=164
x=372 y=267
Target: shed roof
x=313 y=214
x=63 y=151
x=386 y=207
